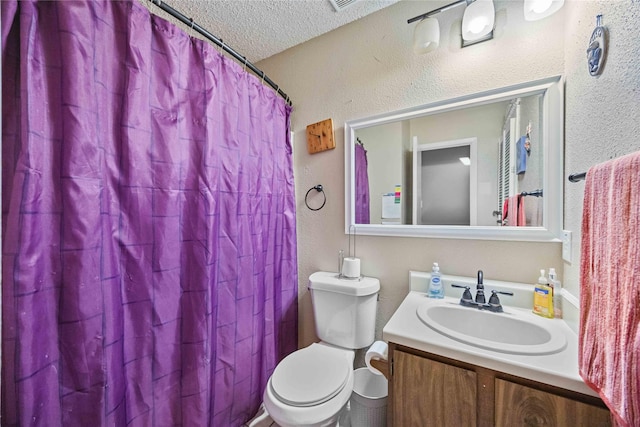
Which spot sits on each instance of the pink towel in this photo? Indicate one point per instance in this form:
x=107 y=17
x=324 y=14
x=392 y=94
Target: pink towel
x=609 y=339
x=513 y=211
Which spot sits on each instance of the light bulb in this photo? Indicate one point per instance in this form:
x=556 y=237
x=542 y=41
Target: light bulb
x=477 y=25
x=539 y=6
x=478 y=20
x=538 y=9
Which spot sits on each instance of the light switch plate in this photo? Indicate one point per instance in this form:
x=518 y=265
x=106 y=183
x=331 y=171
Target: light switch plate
x=566 y=246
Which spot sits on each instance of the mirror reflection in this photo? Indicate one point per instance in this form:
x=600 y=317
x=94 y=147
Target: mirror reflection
x=481 y=166
x=477 y=166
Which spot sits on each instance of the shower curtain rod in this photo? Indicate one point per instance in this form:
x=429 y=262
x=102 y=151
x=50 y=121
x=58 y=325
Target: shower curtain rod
x=242 y=59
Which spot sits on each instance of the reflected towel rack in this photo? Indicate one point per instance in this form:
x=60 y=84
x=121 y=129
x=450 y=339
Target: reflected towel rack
x=536 y=193
x=575 y=177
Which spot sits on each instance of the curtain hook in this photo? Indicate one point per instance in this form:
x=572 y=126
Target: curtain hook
x=191 y=29
x=263 y=76
x=245 y=64
x=222 y=46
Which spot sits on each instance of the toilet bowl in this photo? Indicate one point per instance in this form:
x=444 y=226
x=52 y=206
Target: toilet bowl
x=310 y=387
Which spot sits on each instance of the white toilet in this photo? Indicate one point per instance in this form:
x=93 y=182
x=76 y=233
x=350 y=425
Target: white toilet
x=311 y=386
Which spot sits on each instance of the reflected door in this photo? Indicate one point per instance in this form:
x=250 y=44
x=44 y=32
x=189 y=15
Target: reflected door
x=444 y=183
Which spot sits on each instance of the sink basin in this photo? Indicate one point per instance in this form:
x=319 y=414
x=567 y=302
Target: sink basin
x=515 y=332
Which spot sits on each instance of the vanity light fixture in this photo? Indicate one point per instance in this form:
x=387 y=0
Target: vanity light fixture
x=477 y=22
x=539 y=9
x=477 y=25
x=426 y=36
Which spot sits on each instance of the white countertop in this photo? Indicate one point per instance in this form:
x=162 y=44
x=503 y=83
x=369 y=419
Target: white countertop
x=559 y=369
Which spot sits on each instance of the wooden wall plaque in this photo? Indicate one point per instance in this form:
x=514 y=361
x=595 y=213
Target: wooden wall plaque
x=320 y=136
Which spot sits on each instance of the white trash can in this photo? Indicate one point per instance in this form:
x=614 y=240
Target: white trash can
x=369 y=399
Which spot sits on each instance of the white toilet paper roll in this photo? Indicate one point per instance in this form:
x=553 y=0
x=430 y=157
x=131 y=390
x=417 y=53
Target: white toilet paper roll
x=351 y=267
x=378 y=350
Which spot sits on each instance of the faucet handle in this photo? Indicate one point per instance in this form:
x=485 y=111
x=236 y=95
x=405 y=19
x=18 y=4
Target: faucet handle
x=494 y=301
x=467 y=298
x=494 y=292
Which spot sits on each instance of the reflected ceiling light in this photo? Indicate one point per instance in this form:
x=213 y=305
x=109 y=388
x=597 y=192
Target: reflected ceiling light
x=477 y=22
x=426 y=36
x=538 y=9
x=465 y=161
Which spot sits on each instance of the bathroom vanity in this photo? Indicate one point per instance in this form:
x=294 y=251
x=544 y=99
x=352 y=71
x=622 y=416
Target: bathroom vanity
x=443 y=378
x=428 y=389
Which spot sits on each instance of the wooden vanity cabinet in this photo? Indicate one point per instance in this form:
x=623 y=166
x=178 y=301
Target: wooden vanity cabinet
x=518 y=405
x=431 y=393
x=430 y=390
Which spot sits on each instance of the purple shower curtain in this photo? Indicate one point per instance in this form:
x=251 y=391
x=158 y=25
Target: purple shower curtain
x=149 y=272
x=362 y=186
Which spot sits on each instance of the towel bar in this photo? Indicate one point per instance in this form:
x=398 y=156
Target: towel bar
x=575 y=177
x=536 y=193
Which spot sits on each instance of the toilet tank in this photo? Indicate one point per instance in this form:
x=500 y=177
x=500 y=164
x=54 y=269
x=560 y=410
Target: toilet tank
x=344 y=309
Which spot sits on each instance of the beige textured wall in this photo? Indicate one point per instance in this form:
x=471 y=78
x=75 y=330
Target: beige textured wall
x=602 y=117
x=367 y=68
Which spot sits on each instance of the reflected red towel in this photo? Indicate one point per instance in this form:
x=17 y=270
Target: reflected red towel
x=513 y=211
x=609 y=339
x=522 y=219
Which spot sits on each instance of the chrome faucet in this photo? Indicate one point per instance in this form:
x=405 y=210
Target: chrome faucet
x=480 y=300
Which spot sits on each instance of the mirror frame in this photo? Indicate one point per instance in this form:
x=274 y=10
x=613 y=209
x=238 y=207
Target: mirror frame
x=552 y=89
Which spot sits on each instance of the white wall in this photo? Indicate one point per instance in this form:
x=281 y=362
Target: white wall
x=367 y=68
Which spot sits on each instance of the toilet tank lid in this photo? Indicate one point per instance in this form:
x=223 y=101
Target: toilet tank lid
x=330 y=282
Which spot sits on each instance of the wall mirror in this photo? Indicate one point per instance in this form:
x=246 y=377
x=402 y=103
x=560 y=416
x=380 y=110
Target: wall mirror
x=482 y=166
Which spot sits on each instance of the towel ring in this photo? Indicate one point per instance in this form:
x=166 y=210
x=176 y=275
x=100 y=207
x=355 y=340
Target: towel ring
x=319 y=189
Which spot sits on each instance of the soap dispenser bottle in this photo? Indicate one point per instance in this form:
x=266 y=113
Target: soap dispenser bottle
x=557 y=293
x=436 y=290
x=543 y=297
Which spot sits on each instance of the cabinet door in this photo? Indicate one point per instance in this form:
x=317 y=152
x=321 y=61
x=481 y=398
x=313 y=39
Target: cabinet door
x=518 y=405
x=430 y=393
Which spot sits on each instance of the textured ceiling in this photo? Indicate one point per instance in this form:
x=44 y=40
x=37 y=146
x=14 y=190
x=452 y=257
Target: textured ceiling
x=259 y=29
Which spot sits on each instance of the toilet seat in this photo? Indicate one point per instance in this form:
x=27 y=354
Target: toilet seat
x=310 y=376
